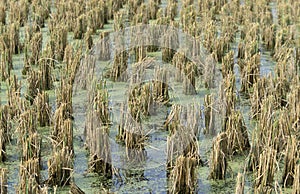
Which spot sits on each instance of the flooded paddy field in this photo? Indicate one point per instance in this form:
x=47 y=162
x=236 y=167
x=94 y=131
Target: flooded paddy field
x=155 y=96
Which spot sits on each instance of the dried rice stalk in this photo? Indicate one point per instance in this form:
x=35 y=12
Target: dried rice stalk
x=60 y=167
x=240 y=184
x=183 y=175
x=218 y=166
x=266 y=171
x=290 y=162
x=237 y=134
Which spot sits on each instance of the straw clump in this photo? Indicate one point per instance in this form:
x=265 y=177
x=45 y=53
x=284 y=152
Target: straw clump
x=209 y=114
x=188 y=19
x=135 y=144
x=19 y=12
x=140 y=101
x=294 y=106
x=265 y=134
x=189 y=81
x=171 y=9
x=142 y=15
x=182 y=142
x=33 y=49
x=73 y=62
x=228 y=96
x=131 y=134
x=290 y=161
x=58 y=38
x=62 y=133
x=6 y=63
x=46 y=67
x=183 y=175
x=60 y=167
x=100 y=155
x=219 y=164
x=41 y=12
x=14 y=36
x=236 y=130
x=179 y=61
x=29 y=139
x=160 y=86
x=261 y=90
x=182 y=148
x=104 y=47
x=34 y=85
x=30 y=142
x=29 y=177
x=119 y=67
x=80 y=28
x=249 y=57
x=153 y=7
x=266 y=171
x=97 y=130
x=60 y=164
x=250 y=71
x=15 y=102
x=170 y=45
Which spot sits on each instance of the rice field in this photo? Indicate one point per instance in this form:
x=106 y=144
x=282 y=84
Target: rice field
x=155 y=96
